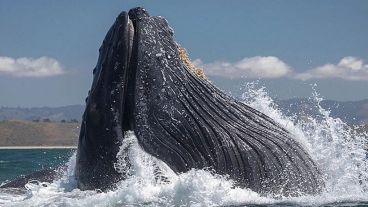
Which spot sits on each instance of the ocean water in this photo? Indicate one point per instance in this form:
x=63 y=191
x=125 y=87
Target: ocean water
x=18 y=162
x=338 y=150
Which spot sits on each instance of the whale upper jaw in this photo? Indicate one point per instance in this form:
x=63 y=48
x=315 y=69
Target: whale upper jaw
x=141 y=84
x=109 y=107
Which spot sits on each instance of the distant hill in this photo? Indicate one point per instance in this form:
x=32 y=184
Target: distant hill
x=351 y=112
x=66 y=113
x=29 y=133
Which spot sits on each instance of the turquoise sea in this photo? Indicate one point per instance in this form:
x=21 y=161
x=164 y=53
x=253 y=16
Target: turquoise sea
x=17 y=162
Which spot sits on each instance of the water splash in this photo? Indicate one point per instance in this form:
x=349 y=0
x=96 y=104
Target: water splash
x=336 y=147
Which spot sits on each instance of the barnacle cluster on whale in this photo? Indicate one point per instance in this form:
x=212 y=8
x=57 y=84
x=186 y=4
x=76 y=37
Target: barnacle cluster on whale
x=183 y=54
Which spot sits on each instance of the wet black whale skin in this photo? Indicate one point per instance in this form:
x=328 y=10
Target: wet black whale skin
x=180 y=118
x=45 y=175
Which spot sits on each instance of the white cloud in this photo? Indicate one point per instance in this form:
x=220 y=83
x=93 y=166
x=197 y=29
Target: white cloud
x=254 y=67
x=349 y=68
x=30 y=67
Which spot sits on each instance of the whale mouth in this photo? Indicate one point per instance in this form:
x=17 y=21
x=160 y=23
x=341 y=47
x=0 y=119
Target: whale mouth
x=128 y=95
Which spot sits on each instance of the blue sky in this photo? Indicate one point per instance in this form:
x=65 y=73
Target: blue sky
x=49 y=48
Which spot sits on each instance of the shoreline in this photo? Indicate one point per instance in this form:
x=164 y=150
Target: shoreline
x=38 y=147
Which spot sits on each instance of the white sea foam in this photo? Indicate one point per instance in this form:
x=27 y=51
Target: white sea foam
x=337 y=149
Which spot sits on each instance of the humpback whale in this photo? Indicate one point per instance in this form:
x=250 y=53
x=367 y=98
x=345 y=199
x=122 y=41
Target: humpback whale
x=142 y=84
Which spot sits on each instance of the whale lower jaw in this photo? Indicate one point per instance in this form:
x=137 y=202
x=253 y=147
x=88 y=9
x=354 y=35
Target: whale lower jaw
x=141 y=84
